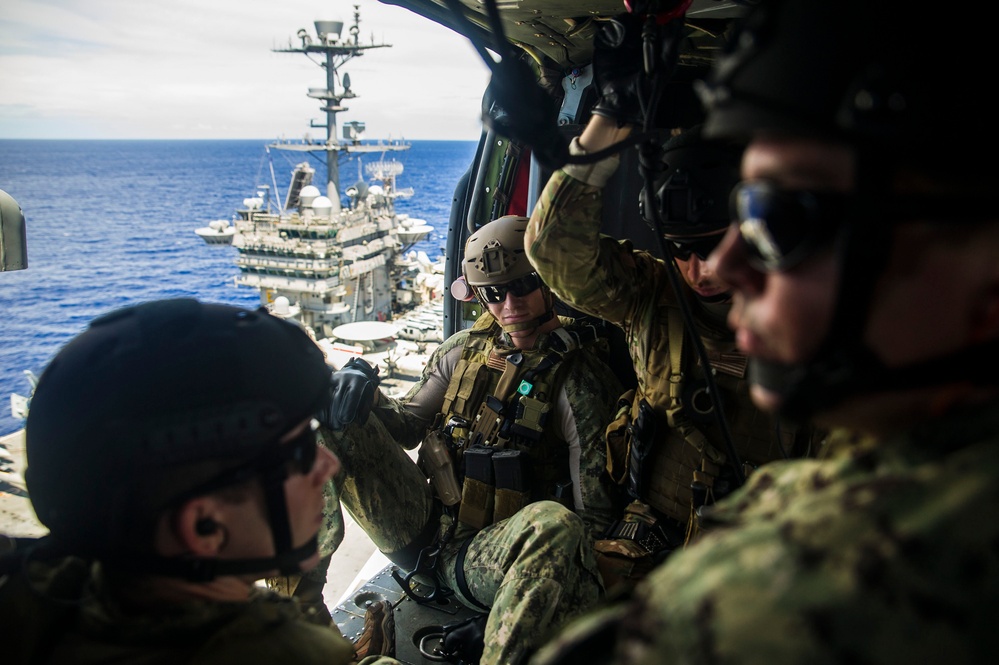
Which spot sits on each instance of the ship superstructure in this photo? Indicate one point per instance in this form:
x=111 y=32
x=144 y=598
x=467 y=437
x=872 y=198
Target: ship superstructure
x=330 y=258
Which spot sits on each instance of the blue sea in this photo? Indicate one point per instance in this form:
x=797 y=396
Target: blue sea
x=111 y=223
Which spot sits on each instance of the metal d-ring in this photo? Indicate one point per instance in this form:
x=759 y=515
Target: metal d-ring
x=435 y=655
x=425 y=564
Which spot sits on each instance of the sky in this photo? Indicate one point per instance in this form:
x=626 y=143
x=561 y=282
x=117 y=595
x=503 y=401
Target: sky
x=205 y=69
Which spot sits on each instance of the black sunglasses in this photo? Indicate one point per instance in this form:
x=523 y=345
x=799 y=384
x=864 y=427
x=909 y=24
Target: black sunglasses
x=299 y=454
x=682 y=249
x=520 y=287
x=782 y=227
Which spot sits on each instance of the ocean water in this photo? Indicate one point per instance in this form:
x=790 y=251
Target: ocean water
x=111 y=223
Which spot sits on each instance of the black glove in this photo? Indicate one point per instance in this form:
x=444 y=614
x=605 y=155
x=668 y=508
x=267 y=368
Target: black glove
x=618 y=68
x=464 y=640
x=352 y=393
x=516 y=107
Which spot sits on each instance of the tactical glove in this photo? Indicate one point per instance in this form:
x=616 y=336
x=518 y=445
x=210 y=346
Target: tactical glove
x=351 y=396
x=618 y=69
x=464 y=640
x=517 y=107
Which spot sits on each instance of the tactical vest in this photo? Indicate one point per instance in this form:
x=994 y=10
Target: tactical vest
x=497 y=407
x=658 y=451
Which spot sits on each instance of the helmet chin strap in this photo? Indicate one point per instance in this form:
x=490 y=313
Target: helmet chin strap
x=844 y=366
x=718 y=298
x=207 y=569
x=806 y=389
x=286 y=560
x=861 y=248
x=531 y=325
x=534 y=324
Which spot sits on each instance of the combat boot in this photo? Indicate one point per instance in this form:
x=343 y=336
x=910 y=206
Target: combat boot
x=378 y=635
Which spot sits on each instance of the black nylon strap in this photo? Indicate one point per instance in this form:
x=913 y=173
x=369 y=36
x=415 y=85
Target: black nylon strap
x=459 y=574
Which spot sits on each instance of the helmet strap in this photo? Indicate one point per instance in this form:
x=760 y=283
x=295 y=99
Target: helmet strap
x=844 y=365
x=277 y=512
x=208 y=569
x=286 y=560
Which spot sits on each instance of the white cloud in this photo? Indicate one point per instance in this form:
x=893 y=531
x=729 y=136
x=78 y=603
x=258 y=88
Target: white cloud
x=195 y=69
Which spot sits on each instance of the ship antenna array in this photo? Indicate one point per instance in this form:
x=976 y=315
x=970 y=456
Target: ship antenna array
x=330 y=52
x=384 y=170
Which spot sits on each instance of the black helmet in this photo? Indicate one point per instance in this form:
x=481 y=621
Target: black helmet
x=865 y=72
x=174 y=389
x=699 y=177
x=879 y=76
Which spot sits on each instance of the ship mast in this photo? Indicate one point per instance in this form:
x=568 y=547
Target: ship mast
x=334 y=53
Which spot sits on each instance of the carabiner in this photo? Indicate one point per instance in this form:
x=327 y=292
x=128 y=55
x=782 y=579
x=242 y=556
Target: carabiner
x=426 y=564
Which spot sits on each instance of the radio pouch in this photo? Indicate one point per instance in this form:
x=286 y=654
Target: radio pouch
x=509 y=468
x=618 y=438
x=477 y=490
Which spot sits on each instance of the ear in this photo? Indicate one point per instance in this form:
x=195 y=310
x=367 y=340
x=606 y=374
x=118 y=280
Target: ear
x=196 y=540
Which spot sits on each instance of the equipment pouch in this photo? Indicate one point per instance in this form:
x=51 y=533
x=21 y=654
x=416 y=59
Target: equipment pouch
x=436 y=463
x=488 y=420
x=511 y=483
x=532 y=414
x=618 y=439
x=477 y=490
x=634 y=545
x=643 y=434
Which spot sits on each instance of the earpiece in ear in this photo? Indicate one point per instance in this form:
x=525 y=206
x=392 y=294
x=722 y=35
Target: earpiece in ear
x=205 y=526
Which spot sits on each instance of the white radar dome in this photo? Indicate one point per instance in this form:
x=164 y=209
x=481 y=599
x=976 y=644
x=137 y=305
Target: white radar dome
x=322 y=206
x=281 y=306
x=308 y=195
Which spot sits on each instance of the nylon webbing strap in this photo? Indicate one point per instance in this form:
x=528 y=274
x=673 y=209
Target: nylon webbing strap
x=452 y=388
x=675 y=327
x=675 y=330
x=459 y=577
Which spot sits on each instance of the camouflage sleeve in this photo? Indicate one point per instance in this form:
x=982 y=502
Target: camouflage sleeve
x=873 y=555
x=714 y=602
x=591 y=390
x=593 y=273
x=407 y=418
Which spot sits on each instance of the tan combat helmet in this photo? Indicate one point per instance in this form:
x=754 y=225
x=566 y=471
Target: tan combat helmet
x=495 y=256
x=495 y=253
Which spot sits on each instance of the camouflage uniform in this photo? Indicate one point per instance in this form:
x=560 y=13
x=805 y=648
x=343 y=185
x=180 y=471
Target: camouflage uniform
x=631 y=288
x=879 y=554
x=65 y=613
x=535 y=569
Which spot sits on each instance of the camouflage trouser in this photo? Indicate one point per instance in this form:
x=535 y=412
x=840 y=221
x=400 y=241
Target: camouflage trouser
x=535 y=569
x=380 y=485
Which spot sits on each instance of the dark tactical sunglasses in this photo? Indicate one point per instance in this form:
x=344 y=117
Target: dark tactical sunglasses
x=782 y=227
x=299 y=454
x=699 y=247
x=520 y=287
